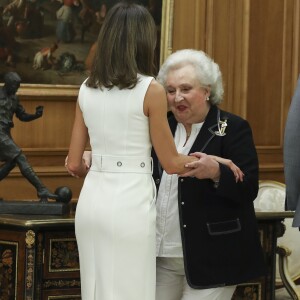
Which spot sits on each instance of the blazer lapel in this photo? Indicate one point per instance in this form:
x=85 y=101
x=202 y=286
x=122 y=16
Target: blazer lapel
x=207 y=132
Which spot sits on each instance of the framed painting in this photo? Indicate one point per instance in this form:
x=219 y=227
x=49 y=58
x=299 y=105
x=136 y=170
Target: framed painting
x=49 y=42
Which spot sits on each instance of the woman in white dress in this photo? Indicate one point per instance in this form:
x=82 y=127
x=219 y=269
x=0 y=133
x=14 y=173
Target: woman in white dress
x=121 y=110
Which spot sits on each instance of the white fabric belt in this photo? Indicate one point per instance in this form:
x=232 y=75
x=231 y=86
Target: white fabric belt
x=121 y=164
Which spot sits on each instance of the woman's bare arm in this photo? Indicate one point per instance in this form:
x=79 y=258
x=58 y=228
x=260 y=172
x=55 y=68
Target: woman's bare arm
x=75 y=163
x=155 y=107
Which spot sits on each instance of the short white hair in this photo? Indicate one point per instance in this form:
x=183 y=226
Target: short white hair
x=207 y=71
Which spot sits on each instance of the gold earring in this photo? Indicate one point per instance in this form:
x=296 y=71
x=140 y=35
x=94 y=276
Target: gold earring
x=207 y=98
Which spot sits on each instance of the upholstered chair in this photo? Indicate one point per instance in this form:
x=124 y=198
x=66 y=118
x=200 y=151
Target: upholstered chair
x=271 y=198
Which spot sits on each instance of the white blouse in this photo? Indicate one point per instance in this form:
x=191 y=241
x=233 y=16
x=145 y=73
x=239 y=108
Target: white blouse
x=168 y=237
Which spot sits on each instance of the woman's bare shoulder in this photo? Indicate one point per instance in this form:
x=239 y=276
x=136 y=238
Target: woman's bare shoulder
x=155 y=98
x=155 y=88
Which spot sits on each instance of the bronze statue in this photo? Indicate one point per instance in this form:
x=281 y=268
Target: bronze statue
x=10 y=154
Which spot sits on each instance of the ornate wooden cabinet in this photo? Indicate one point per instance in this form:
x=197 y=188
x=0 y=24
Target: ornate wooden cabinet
x=38 y=258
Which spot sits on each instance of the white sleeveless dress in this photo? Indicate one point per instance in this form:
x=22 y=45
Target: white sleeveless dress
x=115 y=215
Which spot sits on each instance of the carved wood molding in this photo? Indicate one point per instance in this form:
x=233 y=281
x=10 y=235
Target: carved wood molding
x=166 y=42
x=47 y=92
x=271 y=167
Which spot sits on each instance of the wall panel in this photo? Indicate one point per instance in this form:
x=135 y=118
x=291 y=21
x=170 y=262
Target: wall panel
x=52 y=130
x=256 y=44
x=270 y=78
x=189 y=24
x=265 y=70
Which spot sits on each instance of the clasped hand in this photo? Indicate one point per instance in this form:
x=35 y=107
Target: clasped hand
x=207 y=167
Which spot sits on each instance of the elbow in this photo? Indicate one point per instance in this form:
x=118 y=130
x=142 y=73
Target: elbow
x=173 y=166
x=171 y=169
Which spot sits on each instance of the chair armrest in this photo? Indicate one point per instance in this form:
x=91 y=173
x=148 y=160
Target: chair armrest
x=287 y=281
x=283 y=251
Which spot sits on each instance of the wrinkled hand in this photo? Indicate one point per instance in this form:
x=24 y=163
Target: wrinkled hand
x=39 y=111
x=204 y=168
x=208 y=167
x=238 y=174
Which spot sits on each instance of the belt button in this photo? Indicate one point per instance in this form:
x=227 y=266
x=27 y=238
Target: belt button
x=119 y=164
x=142 y=164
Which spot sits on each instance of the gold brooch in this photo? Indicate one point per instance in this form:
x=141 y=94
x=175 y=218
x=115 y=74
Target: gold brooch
x=221 y=128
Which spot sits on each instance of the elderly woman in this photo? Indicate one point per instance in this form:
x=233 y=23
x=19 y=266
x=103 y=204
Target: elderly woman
x=207 y=235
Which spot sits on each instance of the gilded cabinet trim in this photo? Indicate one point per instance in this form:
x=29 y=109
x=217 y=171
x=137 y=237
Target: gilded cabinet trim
x=30 y=239
x=64 y=297
x=9 y=263
x=30 y=264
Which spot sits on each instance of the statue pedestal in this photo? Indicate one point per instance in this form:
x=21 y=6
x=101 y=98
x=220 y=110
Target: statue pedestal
x=33 y=207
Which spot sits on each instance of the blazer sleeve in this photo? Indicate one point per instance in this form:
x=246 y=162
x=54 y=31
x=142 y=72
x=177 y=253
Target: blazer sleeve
x=239 y=146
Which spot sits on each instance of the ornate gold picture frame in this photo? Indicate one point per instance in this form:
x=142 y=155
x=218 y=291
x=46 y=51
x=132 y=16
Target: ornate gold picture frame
x=166 y=41
x=64 y=87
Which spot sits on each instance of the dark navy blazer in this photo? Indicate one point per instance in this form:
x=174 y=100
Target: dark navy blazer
x=220 y=238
